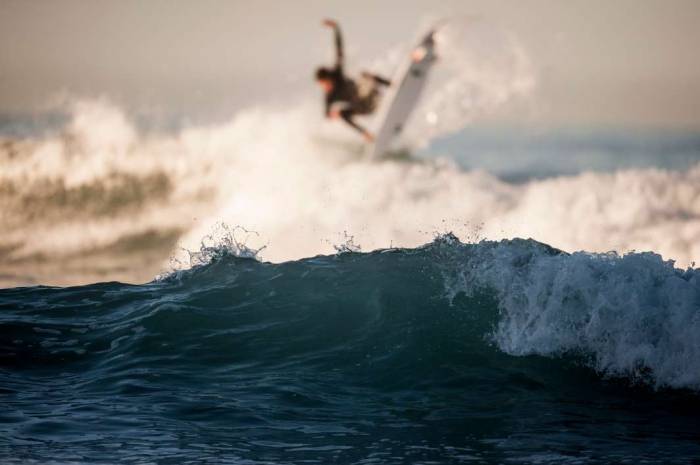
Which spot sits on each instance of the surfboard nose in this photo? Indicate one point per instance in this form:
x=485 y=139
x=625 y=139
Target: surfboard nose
x=418 y=54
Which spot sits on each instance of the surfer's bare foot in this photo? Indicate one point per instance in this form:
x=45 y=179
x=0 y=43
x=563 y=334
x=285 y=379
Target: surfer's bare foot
x=368 y=136
x=330 y=23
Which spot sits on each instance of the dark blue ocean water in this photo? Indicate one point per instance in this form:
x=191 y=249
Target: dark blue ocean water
x=500 y=352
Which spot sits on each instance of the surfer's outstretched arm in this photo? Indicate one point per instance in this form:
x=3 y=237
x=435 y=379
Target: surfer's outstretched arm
x=338 y=43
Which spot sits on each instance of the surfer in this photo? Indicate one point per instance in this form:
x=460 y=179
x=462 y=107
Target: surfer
x=346 y=98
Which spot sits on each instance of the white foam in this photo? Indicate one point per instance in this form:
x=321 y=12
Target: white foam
x=297 y=180
x=635 y=315
x=266 y=171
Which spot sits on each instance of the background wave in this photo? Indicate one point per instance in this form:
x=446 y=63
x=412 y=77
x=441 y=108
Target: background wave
x=98 y=198
x=99 y=187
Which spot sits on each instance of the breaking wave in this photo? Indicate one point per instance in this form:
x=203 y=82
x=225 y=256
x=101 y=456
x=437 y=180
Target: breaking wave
x=491 y=347
x=100 y=183
x=100 y=198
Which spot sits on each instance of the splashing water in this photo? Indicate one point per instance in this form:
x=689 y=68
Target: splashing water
x=481 y=69
x=102 y=200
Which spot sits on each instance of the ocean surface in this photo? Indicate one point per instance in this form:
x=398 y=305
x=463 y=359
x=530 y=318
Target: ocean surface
x=253 y=291
x=497 y=352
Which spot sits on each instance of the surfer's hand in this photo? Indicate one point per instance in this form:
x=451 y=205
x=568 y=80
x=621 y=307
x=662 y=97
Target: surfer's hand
x=368 y=136
x=330 y=23
x=334 y=114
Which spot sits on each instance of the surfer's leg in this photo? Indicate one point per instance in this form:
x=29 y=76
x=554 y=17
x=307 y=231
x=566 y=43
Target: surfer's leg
x=376 y=78
x=368 y=103
x=347 y=115
x=368 y=100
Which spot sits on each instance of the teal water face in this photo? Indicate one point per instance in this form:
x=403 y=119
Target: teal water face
x=396 y=356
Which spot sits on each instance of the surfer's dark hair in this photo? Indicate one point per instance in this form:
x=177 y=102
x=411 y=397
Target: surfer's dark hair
x=323 y=73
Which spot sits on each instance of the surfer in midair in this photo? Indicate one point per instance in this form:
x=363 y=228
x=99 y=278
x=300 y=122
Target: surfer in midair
x=346 y=98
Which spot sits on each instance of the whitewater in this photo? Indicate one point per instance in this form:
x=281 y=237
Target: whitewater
x=99 y=185
x=95 y=195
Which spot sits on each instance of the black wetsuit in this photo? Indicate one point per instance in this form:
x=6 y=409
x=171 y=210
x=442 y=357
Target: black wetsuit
x=345 y=90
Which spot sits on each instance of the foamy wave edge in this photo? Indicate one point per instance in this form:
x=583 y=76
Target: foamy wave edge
x=634 y=316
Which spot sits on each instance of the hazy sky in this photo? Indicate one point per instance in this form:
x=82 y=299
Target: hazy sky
x=608 y=62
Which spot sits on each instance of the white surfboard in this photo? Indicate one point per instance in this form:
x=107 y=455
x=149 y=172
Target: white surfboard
x=403 y=95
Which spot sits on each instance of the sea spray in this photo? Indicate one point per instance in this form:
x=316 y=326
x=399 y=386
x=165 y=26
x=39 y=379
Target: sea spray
x=635 y=315
x=140 y=194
